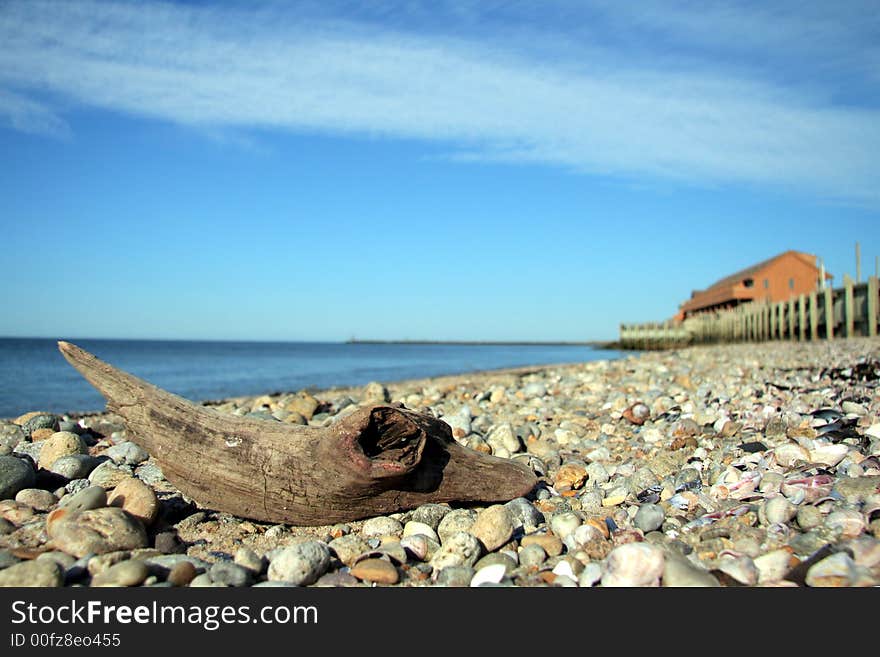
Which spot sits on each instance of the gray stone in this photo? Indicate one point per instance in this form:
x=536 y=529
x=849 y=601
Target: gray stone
x=679 y=572
x=73 y=486
x=11 y=436
x=459 y=549
x=337 y=579
x=230 y=574
x=108 y=474
x=150 y=473
x=503 y=436
x=640 y=480
x=300 y=564
x=687 y=479
x=97 y=530
x=563 y=524
x=74 y=466
x=127 y=453
x=348 y=548
x=455 y=576
x=131 y=572
x=597 y=473
x=93 y=497
x=41 y=421
x=382 y=526
x=32 y=450
x=43 y=573
x=493 y=527
x=204 y=580
x=532 y=555
x=247 y=558
x=169 y=561
x=458 y=520
x=524 y=514
x=649 y=517
x=6 y=527
x=497 y=558
x=430 y=514
x=71 y=426
x=37 y=498
x=809 y=517
x=62 y=559
x=7 y=559
x=15 y=474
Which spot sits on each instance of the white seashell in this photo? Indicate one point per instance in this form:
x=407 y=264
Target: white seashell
x=740 y=568
x=778 y=510
x=789 y=453
x=634 y=564
x=414 y=528
x=849 y=522
x=829 y=454
x=772 y=566
x=866 y=551
x=581 y=536
x=836 y=570
x=873 y=431
x=417 y=545
x=489 y=575
x=563 y=568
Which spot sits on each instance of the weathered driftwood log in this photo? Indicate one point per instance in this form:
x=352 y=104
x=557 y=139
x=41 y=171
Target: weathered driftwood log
x=377 y=460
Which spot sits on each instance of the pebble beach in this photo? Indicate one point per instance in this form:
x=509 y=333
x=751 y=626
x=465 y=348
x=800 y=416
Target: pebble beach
x=730 y=465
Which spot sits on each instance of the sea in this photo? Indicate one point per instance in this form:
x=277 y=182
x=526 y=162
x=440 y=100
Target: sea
x=34 y=375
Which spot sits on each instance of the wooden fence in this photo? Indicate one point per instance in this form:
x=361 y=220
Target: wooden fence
x=848 y=311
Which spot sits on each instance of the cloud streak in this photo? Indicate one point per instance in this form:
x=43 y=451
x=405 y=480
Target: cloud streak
x=484 y=99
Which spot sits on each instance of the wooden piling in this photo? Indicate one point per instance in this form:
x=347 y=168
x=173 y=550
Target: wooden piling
x=802 y=318
x=814 y=316
x=829 y=313
x=873 y=291
x=848 y=306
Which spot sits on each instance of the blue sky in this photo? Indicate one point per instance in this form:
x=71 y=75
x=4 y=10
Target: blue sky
x=438 y=170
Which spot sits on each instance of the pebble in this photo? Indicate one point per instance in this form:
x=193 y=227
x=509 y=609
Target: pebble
x=430 y=514
x=7 y=559
x=74 y=466
x=679 y=572
x=348 y=548
x=11 y=436
x=247 y=558
x=132 y=572
x=97 y=530
x=135 y=497
x=413 y=528
x=379 y=571
x=37 y=498
x=649 y=517
x=455 y=576
x=34 y=573
x=382 y=526
x=459 y=549
x=550 y=543
x=182 y=573
x=38 y=421
x=375 y=392
x=532 y=555
x=779 y=510
x=634 y=564
x=230 y=574
x=809 y=517
x=492 y=574
x=300 y=564
x=92 y=497
x=61 y=443
x=563 y=524
x=6 y=527
x=459 y=520
x=493 y=527
x=335 y=579
x=496 y=559
x=524 y=514
x=837 y=570
x=108 y=474
x=127 y=453
x=15 y=475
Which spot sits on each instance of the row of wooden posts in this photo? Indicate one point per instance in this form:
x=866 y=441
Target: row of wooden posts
x=848 y=311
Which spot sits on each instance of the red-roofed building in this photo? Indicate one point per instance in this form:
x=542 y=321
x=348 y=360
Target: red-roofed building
x=778 y=279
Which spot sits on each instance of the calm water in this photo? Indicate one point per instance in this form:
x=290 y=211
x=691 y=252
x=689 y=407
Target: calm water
x=34 y=375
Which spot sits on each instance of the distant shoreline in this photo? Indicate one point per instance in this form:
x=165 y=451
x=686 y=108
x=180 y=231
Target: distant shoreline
x=484 y=343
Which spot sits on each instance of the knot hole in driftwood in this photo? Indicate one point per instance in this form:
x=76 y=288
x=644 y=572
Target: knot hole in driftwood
x=392 y=438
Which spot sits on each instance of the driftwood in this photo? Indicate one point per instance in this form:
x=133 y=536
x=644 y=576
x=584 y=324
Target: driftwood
x=377 y=460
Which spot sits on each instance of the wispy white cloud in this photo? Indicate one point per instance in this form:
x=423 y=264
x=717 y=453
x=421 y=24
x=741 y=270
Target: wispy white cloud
x=26 y=115
x=487 y=98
